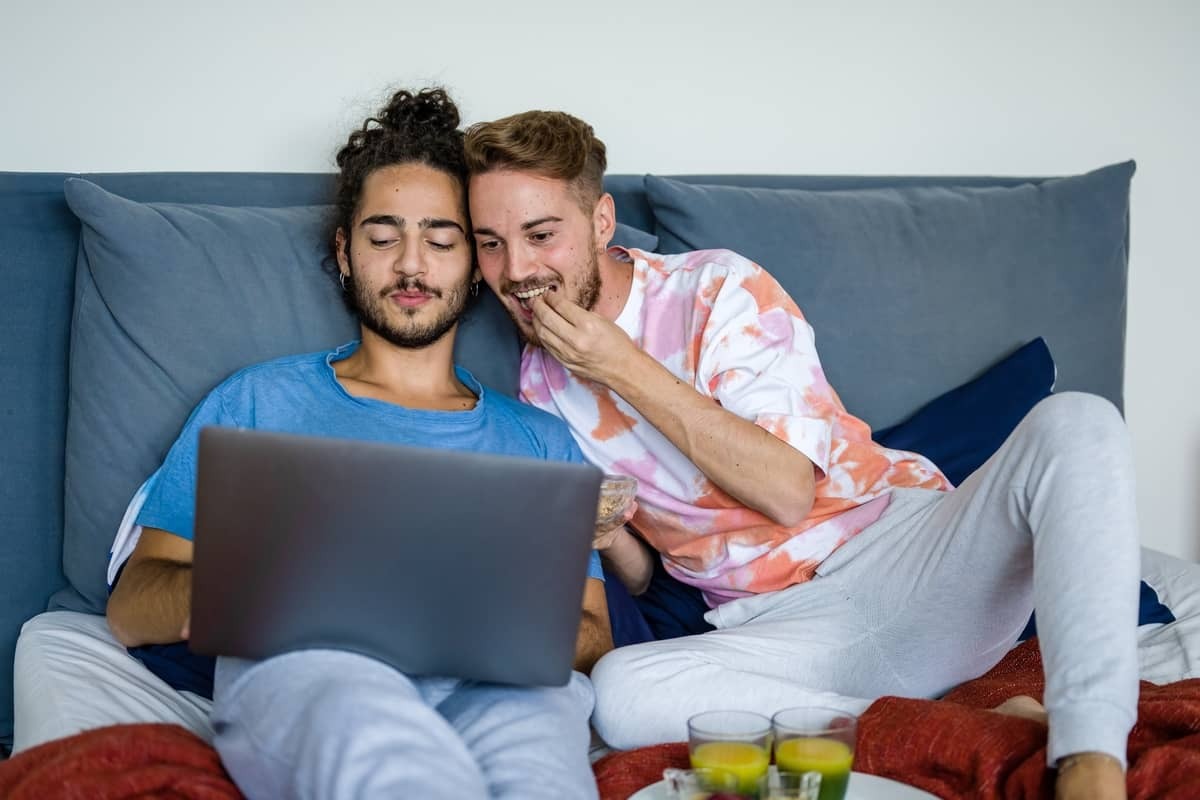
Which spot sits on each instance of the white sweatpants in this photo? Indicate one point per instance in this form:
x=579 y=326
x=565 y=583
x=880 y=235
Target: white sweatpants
x=931 y=595
x=332 y=724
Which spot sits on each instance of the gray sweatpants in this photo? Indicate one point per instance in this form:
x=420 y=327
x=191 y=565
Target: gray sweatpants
x=931 y=595
x=331 y=724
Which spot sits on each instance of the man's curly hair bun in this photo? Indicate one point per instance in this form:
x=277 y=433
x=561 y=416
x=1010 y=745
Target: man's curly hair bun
x=409 y=122
x=429 y=109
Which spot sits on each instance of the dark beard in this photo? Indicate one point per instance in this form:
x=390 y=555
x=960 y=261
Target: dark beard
x=369 y=312
x=589 y=290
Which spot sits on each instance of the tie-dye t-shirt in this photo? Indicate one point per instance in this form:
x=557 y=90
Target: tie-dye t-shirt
x=726 y=327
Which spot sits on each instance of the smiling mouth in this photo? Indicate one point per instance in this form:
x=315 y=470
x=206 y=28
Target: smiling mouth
x=525 y=296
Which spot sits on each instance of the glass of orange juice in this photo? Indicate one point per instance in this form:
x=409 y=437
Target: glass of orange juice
x=817 y=739
x=734 y=742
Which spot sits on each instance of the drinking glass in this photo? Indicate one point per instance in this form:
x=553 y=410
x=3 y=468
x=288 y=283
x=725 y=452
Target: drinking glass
x=783 y=785
x=699 y=784
x=735 y=742
x=811 y=738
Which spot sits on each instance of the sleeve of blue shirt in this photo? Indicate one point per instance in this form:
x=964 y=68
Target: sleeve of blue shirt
x=561 y=447
x=171 y=502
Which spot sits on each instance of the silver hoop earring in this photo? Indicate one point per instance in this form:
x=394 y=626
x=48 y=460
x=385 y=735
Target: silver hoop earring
x=342 y=280
x=475 y=289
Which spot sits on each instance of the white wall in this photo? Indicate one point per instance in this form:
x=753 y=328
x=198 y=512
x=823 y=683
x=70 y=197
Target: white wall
x=872 y=86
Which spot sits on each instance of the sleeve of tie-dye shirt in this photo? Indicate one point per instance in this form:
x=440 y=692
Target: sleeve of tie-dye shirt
x=758 y=360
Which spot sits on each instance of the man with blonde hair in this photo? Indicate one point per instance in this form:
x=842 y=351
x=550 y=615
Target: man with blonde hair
x=827 y=559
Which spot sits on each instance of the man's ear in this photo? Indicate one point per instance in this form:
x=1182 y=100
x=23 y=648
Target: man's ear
x=339 y=246
x=604 y=221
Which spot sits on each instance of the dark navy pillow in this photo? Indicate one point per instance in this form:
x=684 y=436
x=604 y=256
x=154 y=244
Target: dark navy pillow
x=961 y=429
x=628 y=624
x=672 y=608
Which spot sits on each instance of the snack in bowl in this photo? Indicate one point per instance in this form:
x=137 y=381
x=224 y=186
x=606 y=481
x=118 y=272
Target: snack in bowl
x=616 y=493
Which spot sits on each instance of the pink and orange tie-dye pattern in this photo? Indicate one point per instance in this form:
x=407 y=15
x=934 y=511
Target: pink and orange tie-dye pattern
x=726 y=327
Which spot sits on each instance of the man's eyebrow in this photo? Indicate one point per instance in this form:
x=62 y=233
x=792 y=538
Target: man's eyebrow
x=533 y=223
x=383 y=219
x=430 y=223
x=399 y=222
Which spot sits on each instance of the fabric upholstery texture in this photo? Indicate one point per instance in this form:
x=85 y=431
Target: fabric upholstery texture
x=38 y=269
x=910 y=289
x=961 y=429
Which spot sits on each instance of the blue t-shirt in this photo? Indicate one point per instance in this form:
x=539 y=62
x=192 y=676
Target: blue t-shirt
x=301 y=394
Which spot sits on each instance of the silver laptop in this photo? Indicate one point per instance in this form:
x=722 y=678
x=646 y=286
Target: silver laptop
x=437 y=562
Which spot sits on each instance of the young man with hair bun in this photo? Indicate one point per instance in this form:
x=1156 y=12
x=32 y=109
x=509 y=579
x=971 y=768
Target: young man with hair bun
x=335 y=724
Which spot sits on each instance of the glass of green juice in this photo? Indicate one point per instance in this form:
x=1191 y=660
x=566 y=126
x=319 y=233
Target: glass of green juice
x=811 y=738
x=734 y=742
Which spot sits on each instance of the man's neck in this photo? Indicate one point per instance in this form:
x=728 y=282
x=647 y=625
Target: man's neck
x=421 y=378
x=616 y=278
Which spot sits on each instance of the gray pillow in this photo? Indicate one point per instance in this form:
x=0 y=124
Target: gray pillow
x=170 y=299
x=629 y=236
x=911 y=289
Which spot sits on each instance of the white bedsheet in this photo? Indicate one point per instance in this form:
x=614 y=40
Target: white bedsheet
x=1171 y=652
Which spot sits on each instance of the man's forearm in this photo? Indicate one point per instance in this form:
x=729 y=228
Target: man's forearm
x=630 y=560
x=745 y=461
x=593 y=641
x=151 y=602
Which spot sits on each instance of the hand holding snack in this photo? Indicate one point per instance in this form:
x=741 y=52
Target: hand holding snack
x=616 y=507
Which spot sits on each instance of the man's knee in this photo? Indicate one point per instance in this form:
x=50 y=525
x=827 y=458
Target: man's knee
x=622 y=696
x=528 y=710
x=1075 y=417
x=311 y=687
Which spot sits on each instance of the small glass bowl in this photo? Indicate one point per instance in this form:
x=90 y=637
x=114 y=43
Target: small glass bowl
x=616 y=493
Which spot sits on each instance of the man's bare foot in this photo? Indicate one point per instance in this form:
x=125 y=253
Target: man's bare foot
x=1022 y=706
x=1089 y=776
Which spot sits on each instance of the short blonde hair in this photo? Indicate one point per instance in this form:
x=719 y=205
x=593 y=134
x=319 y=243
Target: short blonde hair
x=552 y=144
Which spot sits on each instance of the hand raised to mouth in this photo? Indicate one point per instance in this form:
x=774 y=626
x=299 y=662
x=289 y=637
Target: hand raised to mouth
x=584 y=342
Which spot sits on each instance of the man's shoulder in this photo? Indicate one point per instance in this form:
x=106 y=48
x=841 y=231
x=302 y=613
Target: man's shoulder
x=530 y=416
x=697 y=268
x=694 y=261
x=551 y=433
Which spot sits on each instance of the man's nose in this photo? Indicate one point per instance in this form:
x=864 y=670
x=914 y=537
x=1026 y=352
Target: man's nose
x=519 y=265
x=408 y=260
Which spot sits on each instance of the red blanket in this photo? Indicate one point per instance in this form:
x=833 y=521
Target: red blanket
x=952 y=748
x=119 y=763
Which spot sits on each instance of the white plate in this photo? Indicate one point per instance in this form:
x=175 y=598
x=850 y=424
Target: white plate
x=862 y=787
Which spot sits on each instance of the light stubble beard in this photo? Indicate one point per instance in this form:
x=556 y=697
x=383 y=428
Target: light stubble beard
x=588 y=293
